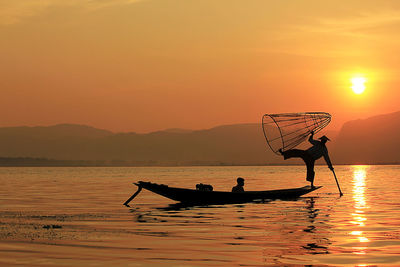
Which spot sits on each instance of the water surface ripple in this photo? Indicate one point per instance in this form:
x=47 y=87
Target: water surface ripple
x=75 y=217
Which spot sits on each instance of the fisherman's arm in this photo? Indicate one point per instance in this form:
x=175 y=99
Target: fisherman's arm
x=311 y=139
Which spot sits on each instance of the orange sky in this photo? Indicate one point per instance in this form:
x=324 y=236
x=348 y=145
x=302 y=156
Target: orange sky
x=144 y=65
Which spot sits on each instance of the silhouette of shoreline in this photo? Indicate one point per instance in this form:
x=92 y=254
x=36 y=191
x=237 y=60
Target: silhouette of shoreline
x=44 y=162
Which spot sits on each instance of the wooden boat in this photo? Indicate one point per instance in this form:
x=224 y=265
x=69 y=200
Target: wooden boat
x=191 y=196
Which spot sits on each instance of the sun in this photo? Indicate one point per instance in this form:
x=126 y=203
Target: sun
x=358 y=85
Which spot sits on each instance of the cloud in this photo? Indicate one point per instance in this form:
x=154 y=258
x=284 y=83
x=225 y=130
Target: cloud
x=15 y=11
x=365 y=25
x=342 y=35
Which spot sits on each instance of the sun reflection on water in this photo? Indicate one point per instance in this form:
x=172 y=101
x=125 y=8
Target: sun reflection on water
x=360 y=205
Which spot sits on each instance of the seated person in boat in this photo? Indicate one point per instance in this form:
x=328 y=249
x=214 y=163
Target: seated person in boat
x=204 y=187
x=239 y=187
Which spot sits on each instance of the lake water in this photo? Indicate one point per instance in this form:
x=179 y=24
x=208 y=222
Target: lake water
x=75 y=217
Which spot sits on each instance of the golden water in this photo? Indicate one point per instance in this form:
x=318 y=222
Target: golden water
x=75 y=217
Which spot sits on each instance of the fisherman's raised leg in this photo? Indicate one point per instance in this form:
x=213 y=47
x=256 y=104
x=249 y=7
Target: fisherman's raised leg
x=292 y=153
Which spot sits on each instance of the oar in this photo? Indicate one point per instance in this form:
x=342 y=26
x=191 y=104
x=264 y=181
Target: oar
x=337 y=183
x=133 y=196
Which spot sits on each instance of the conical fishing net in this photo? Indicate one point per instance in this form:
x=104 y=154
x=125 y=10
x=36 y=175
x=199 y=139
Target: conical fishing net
x=287 y=130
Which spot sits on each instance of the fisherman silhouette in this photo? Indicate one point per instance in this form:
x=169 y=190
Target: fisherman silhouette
x=239 y=186
x=310 y=155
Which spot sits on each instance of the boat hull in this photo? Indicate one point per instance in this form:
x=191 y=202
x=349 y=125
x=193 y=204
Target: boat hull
x=191 y=196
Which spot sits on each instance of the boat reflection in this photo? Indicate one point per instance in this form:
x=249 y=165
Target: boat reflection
x=360 y=206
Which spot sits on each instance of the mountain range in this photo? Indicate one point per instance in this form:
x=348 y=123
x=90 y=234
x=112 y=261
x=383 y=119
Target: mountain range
x=367 y=141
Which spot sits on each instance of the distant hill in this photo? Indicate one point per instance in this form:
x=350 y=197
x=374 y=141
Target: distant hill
x=56 y=131
x=373 y=140
x=232 y=144
x=63 y=141
x=177 y=130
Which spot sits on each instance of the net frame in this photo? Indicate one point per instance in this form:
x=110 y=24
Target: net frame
x=312 y=121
